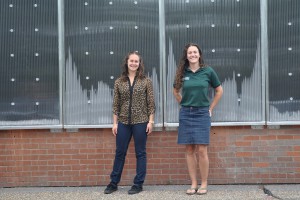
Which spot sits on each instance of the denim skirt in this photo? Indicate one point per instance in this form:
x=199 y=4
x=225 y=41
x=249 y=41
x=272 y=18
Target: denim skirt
x=194 y=125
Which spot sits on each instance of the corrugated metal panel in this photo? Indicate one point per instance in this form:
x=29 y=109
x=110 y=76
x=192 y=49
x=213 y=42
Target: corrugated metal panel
x=98 y=34
x=229 y=34
x=29 y=78
x=284 y=60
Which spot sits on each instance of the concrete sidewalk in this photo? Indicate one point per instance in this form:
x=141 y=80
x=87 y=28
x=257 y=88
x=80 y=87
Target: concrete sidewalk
x=163 y=192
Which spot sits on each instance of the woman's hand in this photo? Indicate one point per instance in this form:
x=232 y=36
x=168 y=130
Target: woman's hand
x=149 y=128
x=115 y=129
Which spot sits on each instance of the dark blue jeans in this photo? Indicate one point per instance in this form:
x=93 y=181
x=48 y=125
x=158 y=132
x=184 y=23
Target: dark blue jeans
x=124 y=134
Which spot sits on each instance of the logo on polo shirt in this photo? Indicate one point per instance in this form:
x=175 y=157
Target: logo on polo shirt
x=186 y=78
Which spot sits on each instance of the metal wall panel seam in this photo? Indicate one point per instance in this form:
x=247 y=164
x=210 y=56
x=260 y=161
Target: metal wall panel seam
x=264 y=59
x=162 y=59
x=61 y=57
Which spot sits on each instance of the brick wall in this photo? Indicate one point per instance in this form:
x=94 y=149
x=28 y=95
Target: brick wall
x=85 y=158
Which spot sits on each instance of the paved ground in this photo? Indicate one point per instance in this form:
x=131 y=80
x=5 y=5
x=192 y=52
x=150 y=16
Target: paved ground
x=162 y=192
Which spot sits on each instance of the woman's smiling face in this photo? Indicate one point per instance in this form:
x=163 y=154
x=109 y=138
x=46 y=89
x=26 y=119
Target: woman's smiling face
x=193 y=54
x=133 y=62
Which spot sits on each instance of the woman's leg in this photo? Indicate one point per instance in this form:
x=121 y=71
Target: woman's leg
x=203 y=165
x=140 y=140
x=122 y=141
x=192 y=164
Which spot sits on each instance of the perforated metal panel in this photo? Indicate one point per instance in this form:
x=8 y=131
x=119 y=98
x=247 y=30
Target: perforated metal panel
x=98 y=35
x=29 y=78
x=284 y=60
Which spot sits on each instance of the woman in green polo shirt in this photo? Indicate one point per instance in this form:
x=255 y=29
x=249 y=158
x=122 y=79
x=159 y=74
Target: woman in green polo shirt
x=192 y=81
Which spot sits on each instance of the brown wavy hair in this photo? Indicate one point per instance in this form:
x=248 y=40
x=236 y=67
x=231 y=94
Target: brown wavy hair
x=184 y=63
x=140 y=71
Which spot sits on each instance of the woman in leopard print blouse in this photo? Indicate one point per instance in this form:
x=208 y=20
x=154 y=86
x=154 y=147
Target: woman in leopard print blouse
x=133 y=116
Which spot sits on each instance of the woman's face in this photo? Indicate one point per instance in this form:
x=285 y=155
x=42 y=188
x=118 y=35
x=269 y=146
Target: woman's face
x=193 y=55
x=133 y=62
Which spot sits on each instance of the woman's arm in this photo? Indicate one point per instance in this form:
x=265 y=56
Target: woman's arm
x=150 y=98
x=116 y=109
x=115 y=125
x=177 y=95
x=217 y=97
x=150 y=106
x=150 y=124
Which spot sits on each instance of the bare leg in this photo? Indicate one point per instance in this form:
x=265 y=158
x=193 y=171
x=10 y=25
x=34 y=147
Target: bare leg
x=204 y=166
x=192 y=164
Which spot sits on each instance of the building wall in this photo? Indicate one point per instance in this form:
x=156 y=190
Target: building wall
x=237 y=155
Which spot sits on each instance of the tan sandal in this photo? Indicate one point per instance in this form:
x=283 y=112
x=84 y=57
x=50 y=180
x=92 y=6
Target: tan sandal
x=202 y=189
x=191 y=191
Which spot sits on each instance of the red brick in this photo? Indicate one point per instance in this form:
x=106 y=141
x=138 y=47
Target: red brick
x=79 y=146
x=104 y=162
x=70 y=140
x=268 y=137
x=37 y=140
x=278 y=176
x=55 y=162
x=296 y=159
x=261 y=176
x=243 y=144
x=261 y=164
x=45 y=157
x=87 y=151
x=251 y=138
x=62 y=157
x=285 y=137
x=71 y=151
x=284 y=159
x=71 y=162
x=39 y=173
x=261 y=154
x=87 y=162
x=293 y=153
x=243 y=154
x=63 y=168
x=46 y=168
x=62 y=146
x=296 y=148
x=46 y=146
x=80 y=156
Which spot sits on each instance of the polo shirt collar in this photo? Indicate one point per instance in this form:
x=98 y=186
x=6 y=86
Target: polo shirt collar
x=189 y=70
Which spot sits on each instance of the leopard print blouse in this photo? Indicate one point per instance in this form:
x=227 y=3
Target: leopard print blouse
x=133 y=104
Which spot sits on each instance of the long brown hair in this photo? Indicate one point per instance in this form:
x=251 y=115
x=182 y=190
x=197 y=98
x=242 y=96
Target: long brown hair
x=184 y=63
x=140 y=70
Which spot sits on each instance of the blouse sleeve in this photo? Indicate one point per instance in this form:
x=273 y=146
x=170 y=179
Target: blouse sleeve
x=116 y=99
x=150 y=97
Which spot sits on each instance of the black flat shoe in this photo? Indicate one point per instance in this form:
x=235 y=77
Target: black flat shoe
x=135 y=189
x=110 y=188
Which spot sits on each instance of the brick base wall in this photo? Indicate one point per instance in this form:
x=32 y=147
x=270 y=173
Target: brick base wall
x=85 y=158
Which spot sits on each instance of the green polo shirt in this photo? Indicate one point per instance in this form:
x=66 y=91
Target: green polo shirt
x=196 y=85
